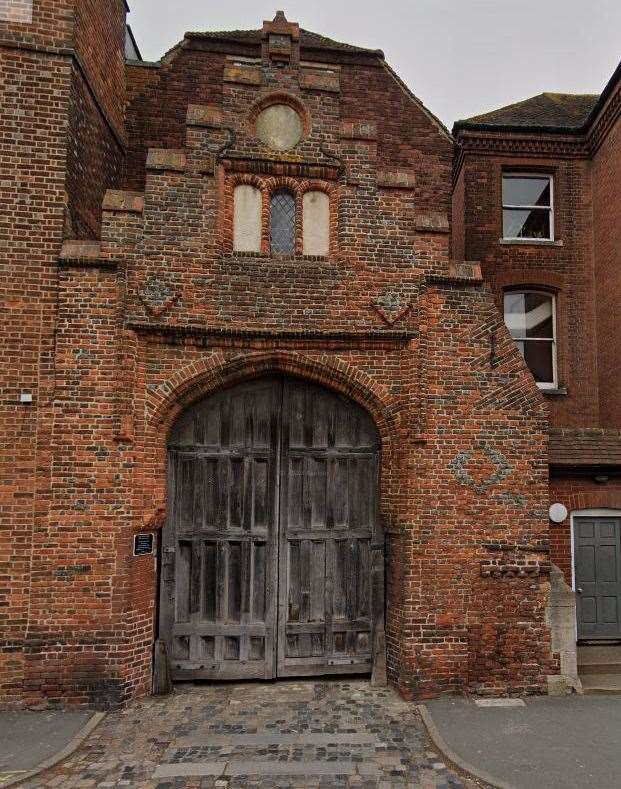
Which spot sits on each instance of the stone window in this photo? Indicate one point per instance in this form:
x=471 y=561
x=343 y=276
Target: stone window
x=527 y=207
x=530 y=316
x=282 y=222
x=247 y=218
x=316 y=223
x=281 y=217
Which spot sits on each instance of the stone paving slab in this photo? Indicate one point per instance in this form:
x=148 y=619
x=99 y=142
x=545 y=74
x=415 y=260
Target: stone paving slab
x=571 y=742
x=315 y=734
x=278 y=739
x=254 y=768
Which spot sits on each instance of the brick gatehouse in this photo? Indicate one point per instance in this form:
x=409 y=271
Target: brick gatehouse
x=237 y=319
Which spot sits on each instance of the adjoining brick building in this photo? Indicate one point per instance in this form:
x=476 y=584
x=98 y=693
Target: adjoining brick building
x=236 y=321
x=555 y=268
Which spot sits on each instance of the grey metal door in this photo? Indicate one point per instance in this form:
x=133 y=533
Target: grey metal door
x=272 y=497
x=597 y=554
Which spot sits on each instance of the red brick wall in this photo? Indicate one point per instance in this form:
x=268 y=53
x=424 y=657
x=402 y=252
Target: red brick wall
x=94 y=161
x=57 y=158
x=167 y=313
x=205 y=317
x=565 y=268
x=51 y=26
x=607 y=231
x=583 y=272
x=34 y=93
x=577 y=493
x=406 y=135
x=99 y=40
x=158 y=98
x=458 y=209
x=97 y=112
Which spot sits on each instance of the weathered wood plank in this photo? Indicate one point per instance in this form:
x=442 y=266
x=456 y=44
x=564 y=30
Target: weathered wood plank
x=259 y=581
x=234 y=582
x=182 y=581
x=210 y=580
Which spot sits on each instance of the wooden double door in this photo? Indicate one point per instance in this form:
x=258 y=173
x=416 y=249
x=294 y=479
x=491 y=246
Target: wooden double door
x=272 y=555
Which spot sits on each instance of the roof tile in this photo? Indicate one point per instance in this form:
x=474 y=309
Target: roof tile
x=562 y=111
x=308 y=40
x=585 y=447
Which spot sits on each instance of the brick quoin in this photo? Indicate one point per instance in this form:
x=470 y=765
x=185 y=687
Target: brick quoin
x=126 y=304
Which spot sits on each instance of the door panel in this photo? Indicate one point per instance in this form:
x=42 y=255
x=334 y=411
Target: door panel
x=272 y=558
x=329 y=534
x=218 y=595
x=597 y=552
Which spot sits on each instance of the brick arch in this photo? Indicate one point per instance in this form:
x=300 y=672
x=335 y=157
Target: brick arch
x=275 y=184
x=331 y=189
x=594 y=500
x=267 y=185
x=240 y=179
x=279 y=97
x=530 y=276
x=317 y=185
x=200 y=379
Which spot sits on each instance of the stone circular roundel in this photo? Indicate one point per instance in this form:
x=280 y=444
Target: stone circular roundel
x=280 y=127
x=558 y=513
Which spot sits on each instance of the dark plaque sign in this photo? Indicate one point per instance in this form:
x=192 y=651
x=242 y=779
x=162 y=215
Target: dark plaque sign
x=143 y=544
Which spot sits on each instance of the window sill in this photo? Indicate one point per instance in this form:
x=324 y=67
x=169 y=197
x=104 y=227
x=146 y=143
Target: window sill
x=558 y=392
x=276 y=256
x=529 y=242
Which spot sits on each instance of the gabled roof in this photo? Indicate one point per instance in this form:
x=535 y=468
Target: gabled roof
x=564 y=112
x=308 y=40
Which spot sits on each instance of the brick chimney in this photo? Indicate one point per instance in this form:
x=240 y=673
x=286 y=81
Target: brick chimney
x=281 y=40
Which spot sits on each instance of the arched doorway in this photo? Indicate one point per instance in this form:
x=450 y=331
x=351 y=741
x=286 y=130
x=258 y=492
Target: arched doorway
x=272 y=554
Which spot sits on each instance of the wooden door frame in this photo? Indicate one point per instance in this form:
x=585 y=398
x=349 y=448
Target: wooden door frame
x=378 y=544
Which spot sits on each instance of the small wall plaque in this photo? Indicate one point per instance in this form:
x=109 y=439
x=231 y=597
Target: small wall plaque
x=143 y=544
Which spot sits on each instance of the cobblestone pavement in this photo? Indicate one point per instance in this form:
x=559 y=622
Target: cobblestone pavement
x=282 y=734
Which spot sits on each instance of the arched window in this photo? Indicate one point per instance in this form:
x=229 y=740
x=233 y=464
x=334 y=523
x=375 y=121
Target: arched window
x=282 y=222
x=530 y=316
x=316 y=223
x=247 y=203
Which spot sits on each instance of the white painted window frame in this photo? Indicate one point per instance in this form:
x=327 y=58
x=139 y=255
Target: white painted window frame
x=540 y=291
x=526 y=239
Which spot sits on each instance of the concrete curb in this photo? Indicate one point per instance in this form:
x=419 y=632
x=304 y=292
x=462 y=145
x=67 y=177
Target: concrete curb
x=73 y=745
x=455 y=760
